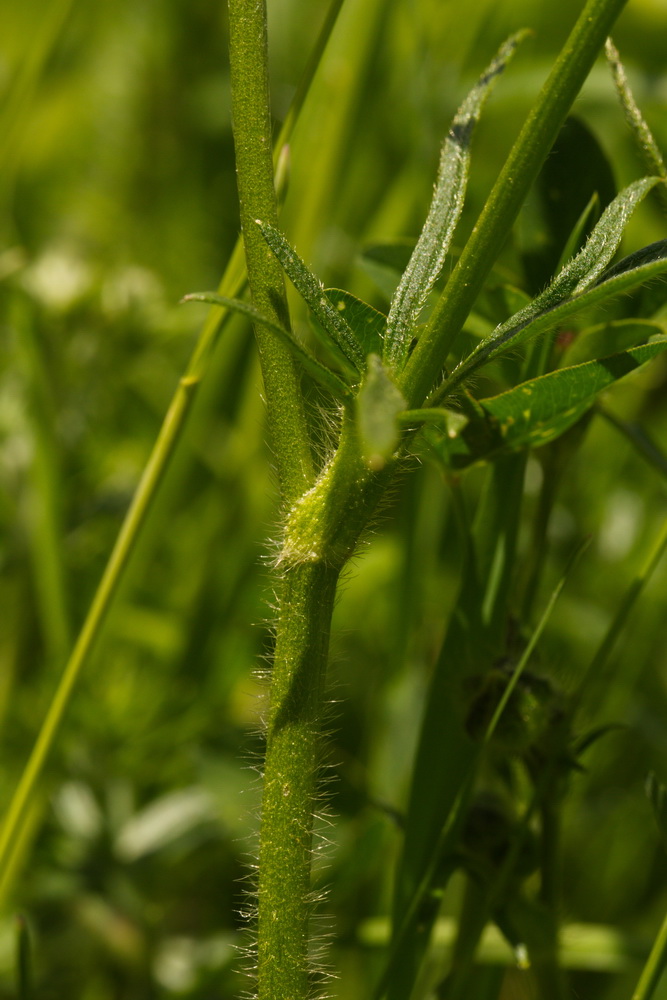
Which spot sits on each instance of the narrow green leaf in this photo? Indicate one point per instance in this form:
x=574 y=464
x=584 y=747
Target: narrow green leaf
x=414 y=919
x=648 y=147
x=610 y=338
x=647 y=255
x=429 y=255
x=534 y=413
x=378 y=405
x=530 y=322
x=367 y=323
x=311 y=290
x=336 y=386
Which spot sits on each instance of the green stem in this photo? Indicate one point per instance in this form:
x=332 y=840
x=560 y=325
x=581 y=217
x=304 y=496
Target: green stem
x=109 y=584
x=321 y=533
x=231 y=285
x=547 y=964
x=292 y=757
x=502 y=207
x=248 y=58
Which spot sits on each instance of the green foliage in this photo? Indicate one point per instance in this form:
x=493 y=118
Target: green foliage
x=474 y=805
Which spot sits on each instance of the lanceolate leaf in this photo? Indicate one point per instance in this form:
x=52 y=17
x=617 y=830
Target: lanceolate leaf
x=310 y=364
x=436 y=236
x=533 y=413
x=530 y=322
x=312 y=292
x=367 y=323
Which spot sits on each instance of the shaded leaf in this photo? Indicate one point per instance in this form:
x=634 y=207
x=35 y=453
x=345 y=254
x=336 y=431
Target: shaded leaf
x=378 y=404
x=367 y=323
x=575 y=177
x=610 y=338
x=330 y=380
x=433 y=244
x=312 y=292
x=534 y=413
x=647 y=255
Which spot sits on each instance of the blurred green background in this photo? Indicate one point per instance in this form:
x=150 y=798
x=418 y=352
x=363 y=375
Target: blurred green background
x=117 y=197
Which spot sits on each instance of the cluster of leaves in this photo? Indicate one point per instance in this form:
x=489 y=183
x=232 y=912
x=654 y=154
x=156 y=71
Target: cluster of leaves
x=366 y=351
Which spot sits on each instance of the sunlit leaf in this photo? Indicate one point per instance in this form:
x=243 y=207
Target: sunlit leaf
x=531 y=414
x=582 y=283
x=433 y=244
x=312 y=292
x=367 y=323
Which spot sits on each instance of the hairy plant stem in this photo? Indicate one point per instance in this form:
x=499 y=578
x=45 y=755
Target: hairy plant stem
x=323 y=524
x=503 y=204
x=322 y=530
x=291 y=763
x=251 y=116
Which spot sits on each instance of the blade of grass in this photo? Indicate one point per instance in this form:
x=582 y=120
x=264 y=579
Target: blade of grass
x=231 y=284
x=44 y=526
x=395 y=982
x=654 y=968
x=595 y=677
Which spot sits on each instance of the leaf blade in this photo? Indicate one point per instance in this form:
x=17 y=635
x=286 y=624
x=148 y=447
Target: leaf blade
x=529 y=322
x=445 y=210
x=535 y=412
x=311 y=290
x=328 y=379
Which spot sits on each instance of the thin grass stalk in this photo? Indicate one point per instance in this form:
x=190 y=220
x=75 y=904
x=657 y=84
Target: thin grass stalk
x=654 y=968
x=231 y=284
x=502 y=207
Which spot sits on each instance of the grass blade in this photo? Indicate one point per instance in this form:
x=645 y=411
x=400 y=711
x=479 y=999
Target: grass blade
x=23 y=959
x=18 y=814
x=434 y=242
